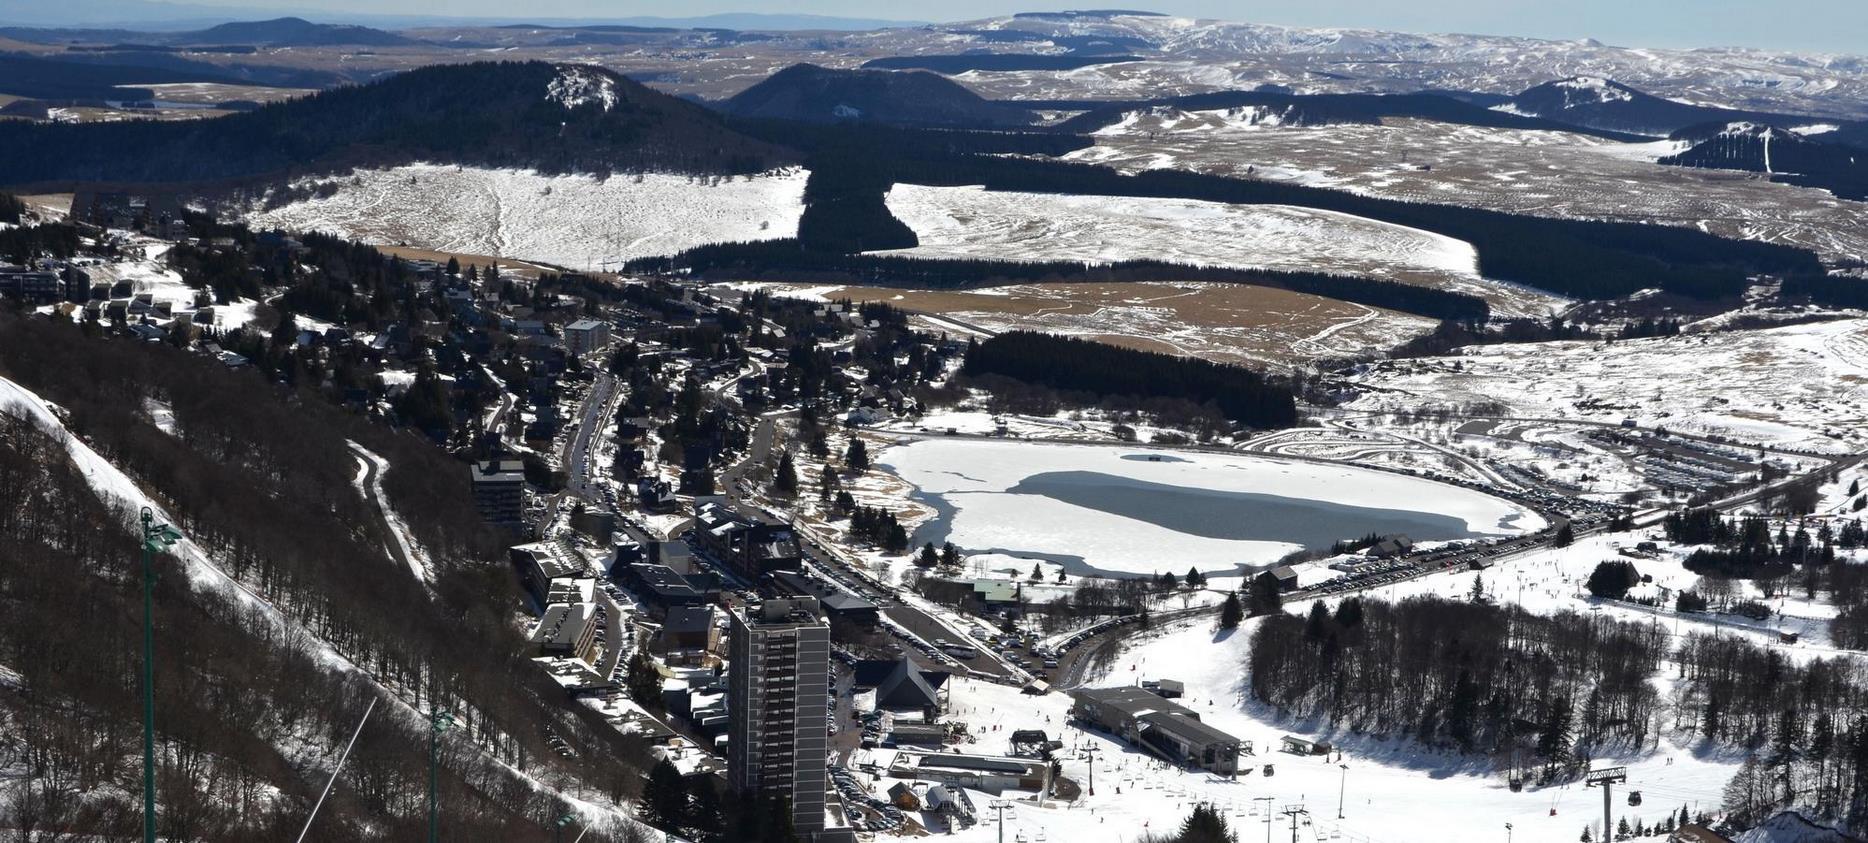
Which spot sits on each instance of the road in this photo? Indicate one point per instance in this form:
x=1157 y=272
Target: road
x=372 y=480
x=593 y=417
x=841 y=569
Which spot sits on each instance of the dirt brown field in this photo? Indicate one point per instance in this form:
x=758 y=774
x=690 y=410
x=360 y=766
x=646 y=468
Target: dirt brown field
x=55 y=203
x=1233 y=323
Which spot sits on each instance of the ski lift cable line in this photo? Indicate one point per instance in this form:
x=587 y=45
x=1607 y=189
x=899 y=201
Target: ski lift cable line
x=337 y=768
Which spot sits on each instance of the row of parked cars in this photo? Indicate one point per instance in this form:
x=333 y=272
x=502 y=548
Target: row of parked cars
x=1472 y=554
x=880 y=816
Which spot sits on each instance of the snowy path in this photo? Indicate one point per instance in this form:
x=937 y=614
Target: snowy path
x=369 y=483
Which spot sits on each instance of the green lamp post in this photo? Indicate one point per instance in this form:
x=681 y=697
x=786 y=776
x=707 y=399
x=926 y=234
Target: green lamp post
x=157 y=538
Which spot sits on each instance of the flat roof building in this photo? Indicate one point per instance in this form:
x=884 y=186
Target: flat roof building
x=585 y=336
x=499 y=493
x=567 y=629
x=777 y=697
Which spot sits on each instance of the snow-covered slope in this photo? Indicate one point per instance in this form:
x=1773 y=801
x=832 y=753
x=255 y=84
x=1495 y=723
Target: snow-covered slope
x=574 y=221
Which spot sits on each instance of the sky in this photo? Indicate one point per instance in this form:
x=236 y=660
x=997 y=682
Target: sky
x=1830 y=25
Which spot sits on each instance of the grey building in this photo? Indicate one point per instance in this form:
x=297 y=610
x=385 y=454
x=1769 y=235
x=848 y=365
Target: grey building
x=499 y=493
x=777 y=698
x=1159 y=725
x=586 y=335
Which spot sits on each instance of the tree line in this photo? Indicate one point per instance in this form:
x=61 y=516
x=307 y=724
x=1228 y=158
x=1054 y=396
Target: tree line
x=1244 y=396
x=1543 y=694
x=796 y=260
x=1475 y=677
x=1577 y=258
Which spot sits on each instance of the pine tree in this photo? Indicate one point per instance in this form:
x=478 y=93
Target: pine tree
x=1195 y=579
x=665 y=798
x=1230 y=612
x=1265 y=596
x=705 y=812
x=1554 y=739
x=1477 y=595
x=1317 y=625
x=1462 y=711
x=1204 y=825
x=949 y=557
x=857 y=457
x=928 y=558
x=1349 y=613
x=644 y=682
x=1037 y=572
x=786 y=481
x=1622 y=831
x=1564 y=537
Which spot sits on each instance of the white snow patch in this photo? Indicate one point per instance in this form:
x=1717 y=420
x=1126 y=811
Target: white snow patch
x=972 y=222
x=579 y=86
x=575 y=221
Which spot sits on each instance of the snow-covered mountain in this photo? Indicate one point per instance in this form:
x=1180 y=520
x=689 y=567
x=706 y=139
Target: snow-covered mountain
x=1601 y=103
x=1188 y=55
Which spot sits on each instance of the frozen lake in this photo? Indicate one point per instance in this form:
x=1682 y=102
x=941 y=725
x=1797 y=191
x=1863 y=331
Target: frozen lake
x=1135 y=511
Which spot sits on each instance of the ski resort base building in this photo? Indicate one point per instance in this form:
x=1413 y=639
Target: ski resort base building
x=1160 y=726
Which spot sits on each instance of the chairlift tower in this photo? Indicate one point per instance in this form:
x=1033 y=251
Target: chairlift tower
x=1293 y=811
x=1606 y=778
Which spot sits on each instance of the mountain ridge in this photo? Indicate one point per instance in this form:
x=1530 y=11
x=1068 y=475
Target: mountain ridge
x=812 y=93
x=536 y=115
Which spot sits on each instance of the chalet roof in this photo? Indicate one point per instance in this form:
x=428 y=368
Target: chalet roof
x=906 y=688
x=870 y=673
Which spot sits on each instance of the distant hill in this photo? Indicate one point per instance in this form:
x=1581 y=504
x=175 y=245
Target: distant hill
x=1786 y=156
x=293 y=32
x=1325 y=109
x=555 y=118
x=815 y=94
x=51 y=79
x=997 y=62
x=1606 y=104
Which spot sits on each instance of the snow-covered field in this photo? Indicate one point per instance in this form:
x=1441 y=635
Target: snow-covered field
x=575 y=221
x=1002 y=498
x=971 y=222
x=1803 y=386
x=1528 y=172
